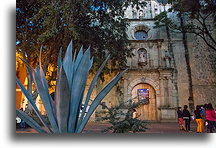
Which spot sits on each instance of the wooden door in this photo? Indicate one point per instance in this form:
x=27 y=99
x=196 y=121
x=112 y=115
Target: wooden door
x=146 y=111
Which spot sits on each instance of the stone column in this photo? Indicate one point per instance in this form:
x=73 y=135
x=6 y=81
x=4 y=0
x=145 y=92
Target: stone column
x=159 y=57
x=164 y=91
x=159 y=44
x=167 y=107
x=170 y=94
x=167 y=59
x=161 y=81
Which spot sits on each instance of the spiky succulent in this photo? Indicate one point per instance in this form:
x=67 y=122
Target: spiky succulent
x=64 y=111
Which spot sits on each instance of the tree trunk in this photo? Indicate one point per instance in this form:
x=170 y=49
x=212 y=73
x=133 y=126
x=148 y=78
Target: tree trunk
x=175 y=72
x=187 y=59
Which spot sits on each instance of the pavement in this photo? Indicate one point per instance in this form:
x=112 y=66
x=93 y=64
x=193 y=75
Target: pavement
x=96 y=127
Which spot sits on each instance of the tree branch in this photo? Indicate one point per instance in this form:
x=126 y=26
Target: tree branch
x=208 y=33
x=203 y=37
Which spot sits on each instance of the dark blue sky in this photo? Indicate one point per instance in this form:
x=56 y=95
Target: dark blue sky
x=162 y=1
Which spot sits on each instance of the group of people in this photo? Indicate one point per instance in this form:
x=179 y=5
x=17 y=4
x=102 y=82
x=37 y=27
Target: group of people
x=204 y=115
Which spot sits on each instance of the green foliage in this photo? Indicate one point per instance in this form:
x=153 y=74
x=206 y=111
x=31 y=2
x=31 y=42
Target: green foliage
x=199 y=19
x=54 y=23
x=162 y=20
x=64 y=111
x=34 y=116
x=122 y=120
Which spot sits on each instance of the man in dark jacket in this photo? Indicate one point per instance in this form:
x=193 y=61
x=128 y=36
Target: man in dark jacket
x=186 y=117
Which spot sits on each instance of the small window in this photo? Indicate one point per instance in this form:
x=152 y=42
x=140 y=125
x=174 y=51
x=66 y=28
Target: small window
x=141 y=35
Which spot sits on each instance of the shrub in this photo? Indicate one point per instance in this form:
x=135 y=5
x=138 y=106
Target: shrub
x=122 y=120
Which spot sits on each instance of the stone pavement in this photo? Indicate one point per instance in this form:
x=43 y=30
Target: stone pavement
x=95 y=127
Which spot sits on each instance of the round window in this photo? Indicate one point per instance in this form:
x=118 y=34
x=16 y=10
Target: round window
x=141 y=35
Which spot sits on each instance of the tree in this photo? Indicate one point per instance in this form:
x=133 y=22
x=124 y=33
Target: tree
x=202 y=13
x=201 y=18
x=50 y=25
x=196 y=17
x=100 y=24
x=26 y=36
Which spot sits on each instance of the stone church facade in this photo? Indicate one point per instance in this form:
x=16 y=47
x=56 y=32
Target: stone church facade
x=160 y=71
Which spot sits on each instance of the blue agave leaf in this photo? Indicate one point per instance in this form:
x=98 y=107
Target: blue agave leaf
x=74 y=56
x=60 y=59
x=28 y=96
x=68 y=64
x=42 y=88
x=78 y=58
x=62 y=99
x=98 y=99
x=29 y=68
x=91 y=88
x=30 y=121
x=43 y=80
x=78 y=87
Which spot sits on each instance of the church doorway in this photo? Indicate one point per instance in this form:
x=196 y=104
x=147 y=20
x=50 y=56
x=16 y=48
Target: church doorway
x=146 y=111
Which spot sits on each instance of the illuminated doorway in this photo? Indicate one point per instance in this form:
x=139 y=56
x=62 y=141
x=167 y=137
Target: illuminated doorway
x=145 y=111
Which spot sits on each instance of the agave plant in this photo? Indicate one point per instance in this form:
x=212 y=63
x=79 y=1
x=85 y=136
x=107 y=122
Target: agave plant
x=64 y=111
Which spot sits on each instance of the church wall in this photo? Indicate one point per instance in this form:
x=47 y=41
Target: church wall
x=182 y=76
x=203 y=72
x=113 y=98
x=202 y=65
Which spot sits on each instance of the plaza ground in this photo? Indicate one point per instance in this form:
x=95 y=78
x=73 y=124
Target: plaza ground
x=95 y=127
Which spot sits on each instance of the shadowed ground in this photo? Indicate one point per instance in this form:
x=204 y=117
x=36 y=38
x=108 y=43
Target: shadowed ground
x=94 y=127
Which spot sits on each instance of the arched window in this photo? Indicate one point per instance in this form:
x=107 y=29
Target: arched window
x=141 y=35
x=141 y=32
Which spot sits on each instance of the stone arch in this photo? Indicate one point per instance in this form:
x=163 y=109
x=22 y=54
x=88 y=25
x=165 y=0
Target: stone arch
x=141 y=28
x=149 y=81
x=149 y=111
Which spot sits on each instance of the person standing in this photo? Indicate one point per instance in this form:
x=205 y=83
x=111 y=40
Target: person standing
x=186 y=117
x=180 y=119
x=22 y=123
x=134 y=114
x=210 y=117
x=199 y=119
